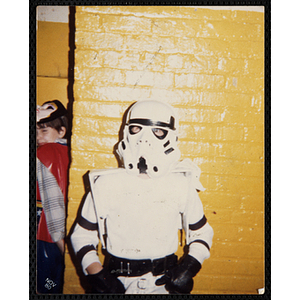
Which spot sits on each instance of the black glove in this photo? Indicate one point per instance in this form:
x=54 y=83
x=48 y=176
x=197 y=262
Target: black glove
x=105 y=283
x=179 y=279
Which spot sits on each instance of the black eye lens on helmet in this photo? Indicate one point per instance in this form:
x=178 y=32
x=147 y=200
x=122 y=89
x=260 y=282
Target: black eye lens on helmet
x=160 y=133
x=133 y=129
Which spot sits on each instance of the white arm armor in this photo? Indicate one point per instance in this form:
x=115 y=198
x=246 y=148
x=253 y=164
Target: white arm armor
x=85 y=238
x=90 y=226
x=200 y=240
x=199 y=233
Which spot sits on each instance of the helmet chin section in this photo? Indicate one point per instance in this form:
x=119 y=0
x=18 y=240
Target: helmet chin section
x=150 y=139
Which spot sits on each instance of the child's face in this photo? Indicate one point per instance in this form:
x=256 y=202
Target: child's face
x=48 y=135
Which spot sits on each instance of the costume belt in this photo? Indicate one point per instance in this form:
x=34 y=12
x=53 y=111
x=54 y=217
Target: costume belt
x=139 y=267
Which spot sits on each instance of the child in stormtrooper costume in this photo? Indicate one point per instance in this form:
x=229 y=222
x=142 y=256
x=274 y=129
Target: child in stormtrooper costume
x=136 y=211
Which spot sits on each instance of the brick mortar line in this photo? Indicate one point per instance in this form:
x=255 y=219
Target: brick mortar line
x=153 y=35
x=175 y=71
x=217 y=141
x=182 y=54
x=224 y=39
x=161 y=17
x=232 y=175
x=149 y=87
x=191 y=157
x=198 y=106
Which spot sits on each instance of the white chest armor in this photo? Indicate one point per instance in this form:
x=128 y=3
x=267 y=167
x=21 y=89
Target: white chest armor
x=142 y=215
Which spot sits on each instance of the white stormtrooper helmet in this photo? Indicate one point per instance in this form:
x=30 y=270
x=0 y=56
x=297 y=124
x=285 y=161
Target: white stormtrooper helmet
x=150 y=139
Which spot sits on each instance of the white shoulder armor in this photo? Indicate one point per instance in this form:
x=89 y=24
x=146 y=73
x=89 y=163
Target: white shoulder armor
x=95 y=174
x=190 y=170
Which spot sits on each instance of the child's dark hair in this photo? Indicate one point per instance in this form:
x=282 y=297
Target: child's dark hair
x=56 y=123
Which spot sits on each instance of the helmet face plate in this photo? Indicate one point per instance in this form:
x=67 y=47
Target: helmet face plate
x=150 y=139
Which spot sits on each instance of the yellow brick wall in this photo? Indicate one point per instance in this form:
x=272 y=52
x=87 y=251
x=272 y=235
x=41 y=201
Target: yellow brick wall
x=209 y=64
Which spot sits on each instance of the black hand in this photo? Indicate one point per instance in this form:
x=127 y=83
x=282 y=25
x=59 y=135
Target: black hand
x=179 y=280
x=105 y=283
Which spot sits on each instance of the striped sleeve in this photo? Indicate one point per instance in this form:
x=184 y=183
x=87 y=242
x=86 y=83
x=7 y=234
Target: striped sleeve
x=52 y=202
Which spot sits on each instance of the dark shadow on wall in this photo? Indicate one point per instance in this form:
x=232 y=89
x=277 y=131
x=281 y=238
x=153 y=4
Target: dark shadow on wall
x=71 y=58
x=70 y=93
